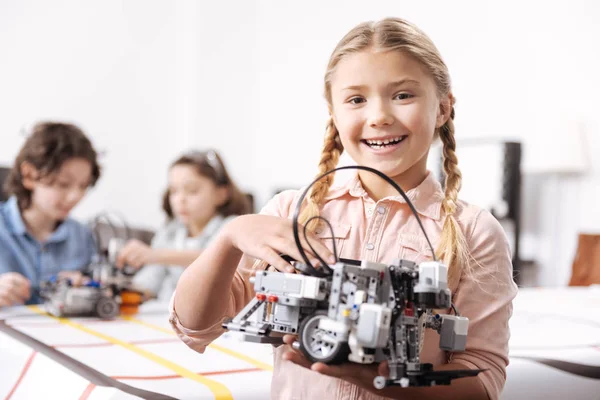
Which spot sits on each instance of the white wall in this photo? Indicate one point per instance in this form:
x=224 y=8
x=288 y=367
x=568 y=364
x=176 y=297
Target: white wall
x=107 y=66
x=149 y=79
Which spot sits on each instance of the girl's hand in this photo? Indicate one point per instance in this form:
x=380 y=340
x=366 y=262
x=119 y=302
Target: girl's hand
x=267 y=238
x=76 y=277
x=15 y=289
x=136 y=254
x=358 y=374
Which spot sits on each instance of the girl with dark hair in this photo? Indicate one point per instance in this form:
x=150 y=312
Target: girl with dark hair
x=201 y=198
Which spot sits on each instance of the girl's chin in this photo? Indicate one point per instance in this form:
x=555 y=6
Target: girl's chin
x=183 y=218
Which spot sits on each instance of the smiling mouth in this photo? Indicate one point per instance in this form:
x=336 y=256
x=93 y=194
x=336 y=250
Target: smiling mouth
x=381 y=144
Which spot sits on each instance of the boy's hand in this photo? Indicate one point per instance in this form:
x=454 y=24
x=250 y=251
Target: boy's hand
x=15 y=289
x=76 y=277
x=136 y=254
x=267 y=237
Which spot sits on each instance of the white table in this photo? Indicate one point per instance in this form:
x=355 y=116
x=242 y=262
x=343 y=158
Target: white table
x=555 y=342
x=555 y=345
x=84 y=358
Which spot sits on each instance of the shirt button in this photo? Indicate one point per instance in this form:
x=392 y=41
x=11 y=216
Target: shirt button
x=369 y=211
x=370 y=246
x=381 y=209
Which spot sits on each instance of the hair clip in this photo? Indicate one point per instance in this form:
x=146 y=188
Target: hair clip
x=212 y=160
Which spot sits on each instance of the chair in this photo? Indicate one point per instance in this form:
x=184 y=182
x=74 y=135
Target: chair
x=3 y=175
x=586 y=265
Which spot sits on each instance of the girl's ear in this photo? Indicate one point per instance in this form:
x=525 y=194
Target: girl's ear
x=29 y=174
x=444 y=110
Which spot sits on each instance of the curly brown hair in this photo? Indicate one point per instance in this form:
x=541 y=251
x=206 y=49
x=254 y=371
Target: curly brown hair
x=210 y=165
x=48 y=146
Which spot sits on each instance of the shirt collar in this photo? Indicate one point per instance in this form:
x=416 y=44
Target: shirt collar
x=17 y=225
x=213 y=225
x=13 y=216
x=427 y=197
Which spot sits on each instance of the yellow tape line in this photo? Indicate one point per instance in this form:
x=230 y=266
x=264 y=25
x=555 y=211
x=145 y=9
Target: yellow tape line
x=222 y=349
x=218 y=389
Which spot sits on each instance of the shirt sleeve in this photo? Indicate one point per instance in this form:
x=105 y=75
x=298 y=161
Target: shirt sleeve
x=242 y=290
x=485 y=295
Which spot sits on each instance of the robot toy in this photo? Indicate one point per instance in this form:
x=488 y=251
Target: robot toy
x=358 y=311
x=105 y=294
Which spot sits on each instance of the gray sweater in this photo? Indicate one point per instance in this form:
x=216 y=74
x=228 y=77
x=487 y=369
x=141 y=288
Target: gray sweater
x=161 y=280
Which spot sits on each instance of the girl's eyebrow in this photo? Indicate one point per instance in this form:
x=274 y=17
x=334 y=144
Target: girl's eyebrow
x=404 y=82
x=391 y=84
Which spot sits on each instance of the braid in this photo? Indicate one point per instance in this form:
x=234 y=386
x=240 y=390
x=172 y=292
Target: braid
x=330 y=155
x=453 y=174
x=453 y=247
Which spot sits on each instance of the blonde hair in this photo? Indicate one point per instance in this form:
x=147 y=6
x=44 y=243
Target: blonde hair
x=394 y=34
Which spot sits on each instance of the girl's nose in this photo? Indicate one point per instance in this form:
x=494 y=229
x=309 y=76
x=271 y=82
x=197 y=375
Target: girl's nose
x=380 y=115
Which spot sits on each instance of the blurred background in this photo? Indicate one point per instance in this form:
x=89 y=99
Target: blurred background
x=147 y=80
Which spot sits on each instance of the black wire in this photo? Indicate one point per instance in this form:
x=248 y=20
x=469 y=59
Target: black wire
x=321 y=260
x=335 y=253
x=121 y=218
x=96 y=230
x=381 y=175
x=455 y=310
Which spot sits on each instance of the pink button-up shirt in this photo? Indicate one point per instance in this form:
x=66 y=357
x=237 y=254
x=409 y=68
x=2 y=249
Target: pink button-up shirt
x=382 y=231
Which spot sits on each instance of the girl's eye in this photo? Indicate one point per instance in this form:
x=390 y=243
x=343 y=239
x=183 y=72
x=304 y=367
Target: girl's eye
x=356 y=100
x=403 y=96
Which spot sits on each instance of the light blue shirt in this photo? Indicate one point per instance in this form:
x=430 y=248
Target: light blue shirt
x=70 y=247
x=161 y=280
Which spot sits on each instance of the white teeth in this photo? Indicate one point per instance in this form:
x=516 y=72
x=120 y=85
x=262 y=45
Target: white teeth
x=384 y=142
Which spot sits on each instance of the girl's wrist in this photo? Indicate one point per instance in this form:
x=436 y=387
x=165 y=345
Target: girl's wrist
x=154 y=256
x=226 y=237
x=225 y=240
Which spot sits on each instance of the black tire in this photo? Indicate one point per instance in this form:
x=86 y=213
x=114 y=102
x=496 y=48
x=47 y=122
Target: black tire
x=316 y=350
x=107 y=308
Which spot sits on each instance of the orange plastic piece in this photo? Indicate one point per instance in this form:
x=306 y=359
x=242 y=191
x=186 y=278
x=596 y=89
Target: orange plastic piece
x=130 y=302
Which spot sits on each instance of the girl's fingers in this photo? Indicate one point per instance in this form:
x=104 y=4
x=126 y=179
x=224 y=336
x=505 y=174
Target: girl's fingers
x=295 y=356
x=287 y=247
x=289 y=339
x=136 y=262
x=273 y=258
x=293 y=251
x=322 y=250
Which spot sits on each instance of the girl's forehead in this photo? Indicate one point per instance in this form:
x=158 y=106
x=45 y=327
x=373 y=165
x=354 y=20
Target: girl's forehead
x=186 y=172
x=371 y=67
